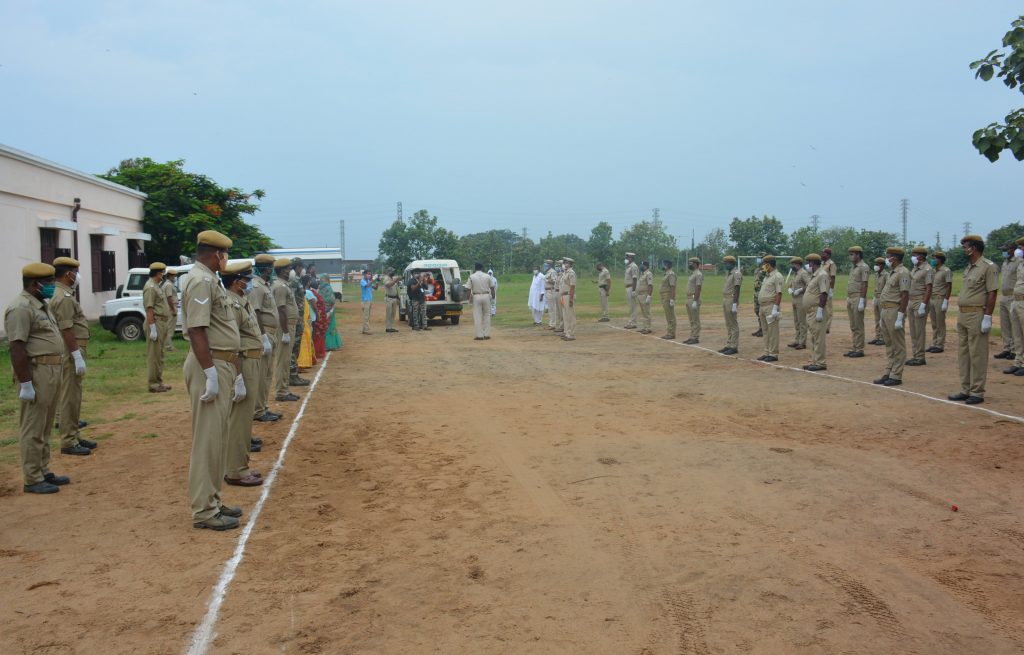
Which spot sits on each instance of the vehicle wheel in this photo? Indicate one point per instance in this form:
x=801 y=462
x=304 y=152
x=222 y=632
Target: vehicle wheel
x=455 y=320
x=129 y=329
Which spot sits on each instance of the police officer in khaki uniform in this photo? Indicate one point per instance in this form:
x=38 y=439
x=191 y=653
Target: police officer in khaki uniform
x=480 y=285
x=769 y=299
x=390 y=282
x=269 y=315
x=731 y=305
x=799 y=278
x=694 y=286
x=211 y=370
x=568 y=286
x=668 y=298
x=74 y=330
x=942 y=288
x=815 y=301
x=287 y=318
x=856 y=299
x=559 y=317
x=831 y=269
x=893 y=301
x=154 y=300
x=236 y=466
x=974 y=321
x=1017 y=312
x=630 y=281
x=881 y=277
x=644 y=289
x=922 y=277
x=759 y=274
x=36 y=353
x=1007 y=279
x=604 y=289
x=549 y=294
x=171 y=294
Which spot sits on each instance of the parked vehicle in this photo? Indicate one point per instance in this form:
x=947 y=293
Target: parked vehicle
x=447 y=301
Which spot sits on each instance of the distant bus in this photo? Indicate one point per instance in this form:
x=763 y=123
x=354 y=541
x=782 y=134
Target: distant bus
x=328 y=262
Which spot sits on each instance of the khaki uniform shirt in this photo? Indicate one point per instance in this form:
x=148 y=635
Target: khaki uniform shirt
x=632 y=271
x=817 y=285
x=920 y=277
x=549 y=280
x=153 y=297
x=249 y=333
x=393 y=291
x=204 y=303
x=479 y=283
x=557 y=286
x=29 y=320
x=1008 y=276
x=880 y=279
x=799 y=280
x=1018 y=288
x=282 y=294
x=68 y=313
x=942 y=281
x=262 y=301
x=170 y=294
x=830 y=269
x=980 y=278
x=696 y=279
x=732 y=282
x=859 y=275
x=668 y=284
x=899 y=281
x=771 y=285
x=568 y=281
x=604 y=278
x=645 y=283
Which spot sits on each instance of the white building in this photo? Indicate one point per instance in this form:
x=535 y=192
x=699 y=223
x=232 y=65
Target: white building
x=48 y=210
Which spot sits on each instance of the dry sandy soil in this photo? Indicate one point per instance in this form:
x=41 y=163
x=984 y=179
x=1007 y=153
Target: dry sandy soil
x=619 y=495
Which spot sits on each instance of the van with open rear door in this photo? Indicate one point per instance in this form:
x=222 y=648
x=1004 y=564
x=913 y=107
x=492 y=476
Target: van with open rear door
x=448 y=292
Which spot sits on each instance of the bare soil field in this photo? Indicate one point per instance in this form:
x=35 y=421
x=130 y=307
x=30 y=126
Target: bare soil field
x=619 y=494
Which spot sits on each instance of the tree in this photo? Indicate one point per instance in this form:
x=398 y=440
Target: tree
x=713 y=247
x=805 y=240
x=649 y=241
x=420 y=238
x=1009 y=66
x=394 y=249
x=565 y=245
x=1001 y=236
x=504 y=249
x=180 y=204
x=599 y=245
x=756 y=235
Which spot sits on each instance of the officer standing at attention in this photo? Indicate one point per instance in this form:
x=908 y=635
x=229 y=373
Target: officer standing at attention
x=236 y=466
x=559 y=316
x=367 y=287
x=479 y=284
x=856 y=299
x=694 y=285
x=262 y=300
x=287 y=319
x=921 y=282
x=154 y=300
x=942 y=287
x=630 y=280
x=731 y=305
x=568 y=286
x=974 y=320
x=604 y=289
x=74 y=330
x=36 y=347
x=390 y=299
x=830 y=267
x=759 y=274
x=815 y=299
x=549 y=293
x=1017 y=312
x=881 y=277
x=770 y=299
x=211 y=369
x=644 y=289
x=798 y=281
x=171 y=293
x=668 y=298
x=893 y=300
x=1007 y=279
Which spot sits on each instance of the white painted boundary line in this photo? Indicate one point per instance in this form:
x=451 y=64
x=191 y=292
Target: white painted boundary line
x=204 y=634
x=1009 y=417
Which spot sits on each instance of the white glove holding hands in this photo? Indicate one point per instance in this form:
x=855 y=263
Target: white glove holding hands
x=27 y=392
x=986 y=323
x=647 y=300
x=267 y=346
x=921 y=309
x=212 y=387
x=286 y=338
x=672 y=303
x=819 y=315
x=239 y=394
x=860 y=304
x=152 y=332
x=693 y=305
x=945 y=304
x=830 y=292
x=734 y=308
x=79 y=362
x=899 y=321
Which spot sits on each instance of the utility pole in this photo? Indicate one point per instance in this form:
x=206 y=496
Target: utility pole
x=656 y=215
x=524 y=234
x=342 y=241
x=815 y=222
x=938 y=241
x=904 y=207
x=967 y=228
x=399 y=210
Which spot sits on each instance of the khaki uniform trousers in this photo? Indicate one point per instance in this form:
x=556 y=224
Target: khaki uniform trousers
x=70 y=403
x=209 y=436
x=645 y=311
x=732 y=325
x=169 y=325
x=878 y=320
x=282 y=360
x=938 y=323
x=828 y=314
x=972 y=352
x=670 y=317
x=771 y=330
x=552 y=303
x=693 y=315
x=800 y=324
x=390 y=312
x=1006 y=321
x=603 y=295
x=482 y=314
x=568 y=317
x=918 y=329
x=817 y=331
x=1017 y=312
x=367 y=306
x=36 y=421
x=856 y=322
x=236 y=463
x=155 y=353
x=266 y=380
x=895 y=343
x=559 y=314
x=633 y=300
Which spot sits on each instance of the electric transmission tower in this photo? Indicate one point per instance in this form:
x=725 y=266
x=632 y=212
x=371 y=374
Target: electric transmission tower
x=399 y=211
x=967 y=228
x=904 y=207
x=815 y=222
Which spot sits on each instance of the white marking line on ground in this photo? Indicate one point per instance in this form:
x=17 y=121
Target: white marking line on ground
x=204 y=634
x=1010 y=417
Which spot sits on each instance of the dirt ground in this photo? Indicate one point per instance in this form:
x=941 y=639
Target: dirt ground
x=615 y=495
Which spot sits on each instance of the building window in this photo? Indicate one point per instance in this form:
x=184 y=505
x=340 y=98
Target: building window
x=136 y=255
x=104 y=268
x=47 y=245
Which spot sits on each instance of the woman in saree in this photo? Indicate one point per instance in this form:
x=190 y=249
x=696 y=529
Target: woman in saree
x=320 y=327
x=332 y=341
x=307 y=356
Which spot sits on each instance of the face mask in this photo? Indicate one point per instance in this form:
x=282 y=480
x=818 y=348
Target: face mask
x=728 y=267
x=248 y=288
x=914 y=260
x=48 y=290
x=535 y=271
x=878 y=269
x=626 y=262
x=932 y=262
x=546 y=267
x=1006 y=255
x=1018 y=253
x=558 y=269
x=74 y=285
x=888 y=263
x=292 y=274
x=758 y=260
x=807 y=267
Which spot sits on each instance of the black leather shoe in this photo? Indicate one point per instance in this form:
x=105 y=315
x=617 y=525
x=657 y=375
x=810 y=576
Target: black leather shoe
x=815 y=368
x=75 y=450
x=770 y=358
x=974 y=400
x=233 y=512
x=1020 y=373
x=288 y=397
x=298 y=382
x=85 y=443
x=690 y=342
x=1006 y=354
x=958 y=396
x=882 y=379
x=847 y=353
x=730 y=351
x=43 y=487
x=892 y=382
x=761 y=358
x=266 y=417
x=759 y=333
x=255 y=448
x=82 y=424
x=914 y=362
x=59 y=480
x=1011 y=370
x=855 y=354
x=256 y=440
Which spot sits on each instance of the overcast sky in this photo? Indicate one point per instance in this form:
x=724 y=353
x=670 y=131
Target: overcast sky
x=548 y=115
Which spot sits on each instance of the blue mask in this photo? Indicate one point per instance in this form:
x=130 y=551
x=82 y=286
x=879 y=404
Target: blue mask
x=48 y=290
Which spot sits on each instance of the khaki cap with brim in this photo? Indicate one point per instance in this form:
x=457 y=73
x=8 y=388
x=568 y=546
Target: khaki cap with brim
x=549 y=261
x=855 y=249
x=172 y=271
x=158 y=266
x=264 y=259
x=796 y=260
x=239 y=268
x=282 y=262
x=568 y=259
x=37 y=270
x=66 y=261
x=768 y=259
x=630 y=254
x=879 y=260
x=814 y=257
x=939 y=254
x=728 y=259
x=895 y=251
x=214 y=239
x=694 y=260
x=1020 y=241
x=972 y=237
x=919 y=250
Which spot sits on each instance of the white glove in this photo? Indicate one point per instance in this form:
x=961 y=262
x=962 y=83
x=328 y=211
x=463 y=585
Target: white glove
x=693 y=305
x=647 y=300
x=819 y=315
x=79 y=362
x=797 y=292
x=860 y=304
x=239 y=394
x=212 y=388
x=671 y=303
x=921 y=309
x=774 y=313
x=830 y=292
x=286 y=338
x=27 y=392
x=945 y=304
x=152 y=332
x=986 y=323
x=734 y=308
x=790 y=291
x=267 y=346
x=899 y=321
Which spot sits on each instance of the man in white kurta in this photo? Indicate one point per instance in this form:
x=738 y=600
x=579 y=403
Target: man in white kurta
x=536 y=301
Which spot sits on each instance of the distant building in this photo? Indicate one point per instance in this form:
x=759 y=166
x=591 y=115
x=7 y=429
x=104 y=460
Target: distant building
x=39 y=222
